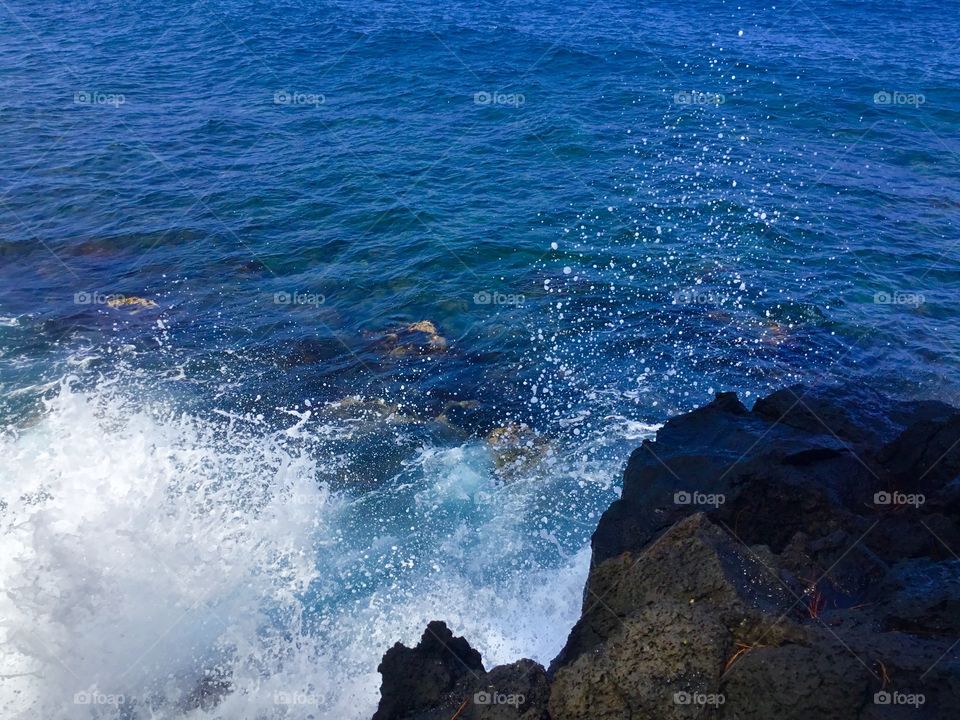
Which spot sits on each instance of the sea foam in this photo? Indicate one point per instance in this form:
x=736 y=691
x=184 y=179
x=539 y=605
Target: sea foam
x=156 y=564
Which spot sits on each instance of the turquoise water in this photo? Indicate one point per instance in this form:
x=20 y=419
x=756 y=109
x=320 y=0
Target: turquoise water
x=247 y=465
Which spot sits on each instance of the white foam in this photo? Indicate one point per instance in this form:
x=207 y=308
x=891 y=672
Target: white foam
x=141 y=548
x=134 y=546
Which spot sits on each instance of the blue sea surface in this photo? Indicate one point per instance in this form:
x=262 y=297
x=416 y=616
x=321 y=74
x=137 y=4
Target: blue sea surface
x=320 y=320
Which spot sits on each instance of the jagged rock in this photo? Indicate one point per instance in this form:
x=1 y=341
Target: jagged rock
x=694 y=563
x=764 y=480
x=443 y=676
x=855 y=414
x=651 y=655
x=802 y=459
x=921 y=596
x=421 y=679
x=516 y=691
x=925 y=458
x=796 y=560
x=657 y=628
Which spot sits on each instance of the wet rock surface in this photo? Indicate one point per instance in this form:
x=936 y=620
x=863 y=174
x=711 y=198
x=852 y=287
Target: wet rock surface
x=796 y=560
x=443 y=677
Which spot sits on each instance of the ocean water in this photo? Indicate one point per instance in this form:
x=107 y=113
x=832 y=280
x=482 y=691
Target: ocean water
x=321 y=320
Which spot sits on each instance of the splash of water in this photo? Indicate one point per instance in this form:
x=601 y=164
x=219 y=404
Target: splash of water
x=158 y=564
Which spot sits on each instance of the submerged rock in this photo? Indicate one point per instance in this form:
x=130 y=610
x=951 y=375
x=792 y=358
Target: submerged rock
x=417 y=338
x=130 y=301
x=423 y=326
x=794 y=560
x=517 y=449
x=431 y=337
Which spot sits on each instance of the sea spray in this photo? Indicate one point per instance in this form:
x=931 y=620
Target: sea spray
x=161 y=564
x=138 y=545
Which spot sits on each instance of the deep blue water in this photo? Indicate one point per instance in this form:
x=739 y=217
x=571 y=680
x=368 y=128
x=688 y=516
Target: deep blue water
x=607 y=211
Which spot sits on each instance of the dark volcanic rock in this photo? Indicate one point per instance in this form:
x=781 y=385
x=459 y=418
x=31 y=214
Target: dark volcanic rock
x=855 y=414
x=921 y=596
x=654 y=655
x=797 y=681
x=802 y=459
x=925 y=458
x=662 y=624
x=762 y=479
x=522 y=687
x=419 y=679
x=443 y=676
x=694 y=564
x=796 y=560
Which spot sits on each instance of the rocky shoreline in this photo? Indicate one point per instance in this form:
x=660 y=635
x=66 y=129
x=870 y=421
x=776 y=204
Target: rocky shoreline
x=796 y=560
